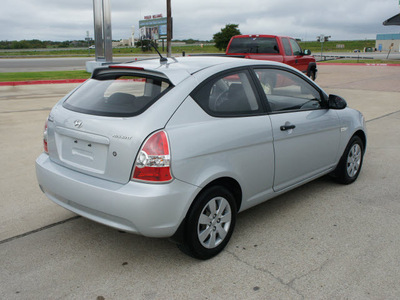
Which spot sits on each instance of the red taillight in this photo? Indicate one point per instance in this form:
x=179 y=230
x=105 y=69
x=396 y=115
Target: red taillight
x=46 y=149
x=153 y=162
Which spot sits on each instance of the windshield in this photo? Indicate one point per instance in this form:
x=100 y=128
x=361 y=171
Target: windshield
x=117 y=95
x=253 y=45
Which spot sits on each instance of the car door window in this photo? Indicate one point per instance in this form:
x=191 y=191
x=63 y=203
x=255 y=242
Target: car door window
x=286 y=91
x=228 y=94
x=295 y=47
x=286 y=46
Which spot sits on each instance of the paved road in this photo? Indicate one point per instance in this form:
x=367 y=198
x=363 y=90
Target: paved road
x=320 y=241
x=79 y=63
x=49 y=64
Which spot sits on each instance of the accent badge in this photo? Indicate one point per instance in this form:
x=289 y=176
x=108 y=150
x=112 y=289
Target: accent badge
x=78 y=123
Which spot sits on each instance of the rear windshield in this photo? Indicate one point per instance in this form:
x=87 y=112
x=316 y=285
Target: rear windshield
x=117 y=95
x=254 y=45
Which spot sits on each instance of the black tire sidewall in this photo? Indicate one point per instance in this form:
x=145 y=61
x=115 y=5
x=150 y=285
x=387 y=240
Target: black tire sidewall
x=192 y=242
x=312 y=75
x=341 y=174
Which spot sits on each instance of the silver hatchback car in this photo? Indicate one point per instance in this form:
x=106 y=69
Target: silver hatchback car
x=177 y=148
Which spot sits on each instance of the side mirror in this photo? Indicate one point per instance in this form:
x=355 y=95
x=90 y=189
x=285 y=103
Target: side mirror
x=307 y=52
x=336 y=102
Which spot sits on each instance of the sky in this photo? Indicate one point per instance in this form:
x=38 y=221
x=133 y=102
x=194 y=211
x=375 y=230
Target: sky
x=60 y=20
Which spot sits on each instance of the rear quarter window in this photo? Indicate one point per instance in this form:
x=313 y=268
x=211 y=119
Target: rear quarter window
x=230 y=94
x=117 y=95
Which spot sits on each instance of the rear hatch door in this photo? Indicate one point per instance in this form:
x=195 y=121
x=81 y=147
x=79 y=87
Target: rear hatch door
x=99 y=129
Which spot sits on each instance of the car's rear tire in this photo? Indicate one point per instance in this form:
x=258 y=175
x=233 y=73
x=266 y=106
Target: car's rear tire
x=209 y=223
x=350 y=164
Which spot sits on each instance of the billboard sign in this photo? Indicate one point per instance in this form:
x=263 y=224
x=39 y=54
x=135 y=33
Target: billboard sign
x=153 y=29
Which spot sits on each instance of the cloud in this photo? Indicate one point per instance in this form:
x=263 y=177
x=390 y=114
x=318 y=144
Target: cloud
x=70 y=19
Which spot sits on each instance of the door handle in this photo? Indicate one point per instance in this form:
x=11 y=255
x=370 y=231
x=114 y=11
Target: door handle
x=287 y=127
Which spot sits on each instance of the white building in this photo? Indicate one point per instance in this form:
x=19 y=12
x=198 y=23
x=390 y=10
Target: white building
x=385 y=41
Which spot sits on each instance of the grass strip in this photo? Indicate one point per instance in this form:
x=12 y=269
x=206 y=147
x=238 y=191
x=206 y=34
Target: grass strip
x=314 y=46
x=48 y=75
x=116 y=51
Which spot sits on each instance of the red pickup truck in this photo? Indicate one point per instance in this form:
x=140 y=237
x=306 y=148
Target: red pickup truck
x=271 y=47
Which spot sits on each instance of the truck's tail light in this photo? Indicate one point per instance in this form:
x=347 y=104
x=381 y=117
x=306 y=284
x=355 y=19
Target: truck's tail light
x=46 y=149
x=153 y=161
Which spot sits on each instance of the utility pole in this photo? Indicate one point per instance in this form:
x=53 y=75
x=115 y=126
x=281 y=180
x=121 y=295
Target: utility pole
x=169 y=28
x=102 y=30
x=102 y=34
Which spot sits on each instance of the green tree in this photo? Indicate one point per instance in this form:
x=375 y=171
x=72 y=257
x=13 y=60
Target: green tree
x=222 y=38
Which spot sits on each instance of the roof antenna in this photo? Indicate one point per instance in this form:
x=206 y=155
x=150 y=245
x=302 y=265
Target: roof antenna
x=162 y=59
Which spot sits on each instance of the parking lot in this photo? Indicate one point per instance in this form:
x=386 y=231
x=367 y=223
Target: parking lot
x=320 y=241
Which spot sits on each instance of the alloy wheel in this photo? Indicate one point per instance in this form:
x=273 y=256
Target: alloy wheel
x=354 y=160
x=214 y=222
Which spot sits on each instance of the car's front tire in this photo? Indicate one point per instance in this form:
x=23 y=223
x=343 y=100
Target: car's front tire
x=350 y=164
x=209 y=223
x=313 y=74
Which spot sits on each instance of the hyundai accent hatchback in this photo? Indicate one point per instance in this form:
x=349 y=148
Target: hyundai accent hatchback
x=177 y=148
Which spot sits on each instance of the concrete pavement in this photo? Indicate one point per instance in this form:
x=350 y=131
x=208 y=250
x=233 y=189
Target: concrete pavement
x=320 y=241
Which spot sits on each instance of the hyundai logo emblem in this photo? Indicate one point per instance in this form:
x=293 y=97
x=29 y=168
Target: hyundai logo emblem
x=78 y=123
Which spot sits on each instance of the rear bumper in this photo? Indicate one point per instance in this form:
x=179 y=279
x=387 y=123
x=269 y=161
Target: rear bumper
x=154 y=210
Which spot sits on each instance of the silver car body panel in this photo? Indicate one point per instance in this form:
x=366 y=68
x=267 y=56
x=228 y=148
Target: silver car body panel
x=154 y=210
x=178 y=69
x=204 y=148
x=89 y=165
x=307 y=150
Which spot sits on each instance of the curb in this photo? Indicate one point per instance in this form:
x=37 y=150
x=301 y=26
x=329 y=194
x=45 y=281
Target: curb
x=29 y=82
